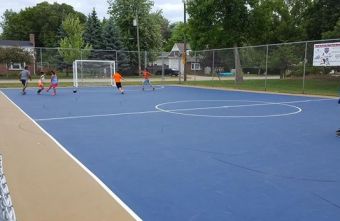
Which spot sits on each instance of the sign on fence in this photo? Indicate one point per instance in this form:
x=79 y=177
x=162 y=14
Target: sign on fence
x=326 y=54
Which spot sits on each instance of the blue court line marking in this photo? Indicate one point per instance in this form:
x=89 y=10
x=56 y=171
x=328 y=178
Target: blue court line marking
x=108 y=190
x=175 y=111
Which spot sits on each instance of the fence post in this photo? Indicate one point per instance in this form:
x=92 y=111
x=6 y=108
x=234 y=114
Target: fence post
x=116 y=59
x=195 y=66
x=41 y=59
x=304 y=69
x=213 y=65
x=266 y=73
x=162 y=68
x=145 y=59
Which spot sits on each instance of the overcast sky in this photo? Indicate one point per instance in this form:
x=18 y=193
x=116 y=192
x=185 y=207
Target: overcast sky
x=172 y=9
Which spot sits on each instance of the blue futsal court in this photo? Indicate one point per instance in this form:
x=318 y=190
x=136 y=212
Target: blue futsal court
x=181 y=153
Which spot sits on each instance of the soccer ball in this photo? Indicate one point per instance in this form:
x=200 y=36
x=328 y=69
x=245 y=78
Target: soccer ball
x=338 y=133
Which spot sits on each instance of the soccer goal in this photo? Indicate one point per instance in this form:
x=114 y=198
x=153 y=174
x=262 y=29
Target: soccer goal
x=93 y=73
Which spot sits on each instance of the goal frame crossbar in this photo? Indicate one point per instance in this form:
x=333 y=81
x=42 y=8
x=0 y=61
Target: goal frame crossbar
x=112 y=64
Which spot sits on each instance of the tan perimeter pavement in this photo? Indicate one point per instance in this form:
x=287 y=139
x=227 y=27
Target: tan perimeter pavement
x=46 y=183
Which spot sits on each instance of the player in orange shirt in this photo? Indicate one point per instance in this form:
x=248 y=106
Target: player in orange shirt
x=118 y=81
x=41 y=83
x=146 y=81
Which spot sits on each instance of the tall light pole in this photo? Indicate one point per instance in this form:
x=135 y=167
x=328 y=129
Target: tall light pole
x=184 y=54
x=136 y=23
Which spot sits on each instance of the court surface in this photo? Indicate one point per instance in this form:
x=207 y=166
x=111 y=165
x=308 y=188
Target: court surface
x=181 y=153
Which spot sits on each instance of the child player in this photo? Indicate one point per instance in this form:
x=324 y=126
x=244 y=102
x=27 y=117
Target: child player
x=54 y=83
x=24 y=76
x=41 y=83
x=118 y=81
x=146 y=76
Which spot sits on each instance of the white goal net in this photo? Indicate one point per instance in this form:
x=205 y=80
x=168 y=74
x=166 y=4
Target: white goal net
x=93 y=73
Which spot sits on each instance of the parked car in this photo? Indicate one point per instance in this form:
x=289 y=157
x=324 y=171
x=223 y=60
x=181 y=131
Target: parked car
x=168 y=71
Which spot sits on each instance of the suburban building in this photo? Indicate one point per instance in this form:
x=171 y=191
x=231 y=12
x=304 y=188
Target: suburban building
x=17 y=66
x=173 y=59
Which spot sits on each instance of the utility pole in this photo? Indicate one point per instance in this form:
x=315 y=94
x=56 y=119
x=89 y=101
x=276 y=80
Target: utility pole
x=184 y=54
x=136 y=23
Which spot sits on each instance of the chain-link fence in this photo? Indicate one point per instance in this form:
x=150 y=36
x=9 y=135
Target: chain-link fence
x=266 y=66
x=6 y=205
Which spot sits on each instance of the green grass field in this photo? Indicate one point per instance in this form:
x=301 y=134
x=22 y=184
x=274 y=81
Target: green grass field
x=328 y=87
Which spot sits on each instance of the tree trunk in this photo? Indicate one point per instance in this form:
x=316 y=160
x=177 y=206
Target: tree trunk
x=238 y=68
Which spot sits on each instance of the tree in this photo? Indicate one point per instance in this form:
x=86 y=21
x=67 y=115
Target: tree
x=285 y=57
x=72 y=44
x=112 y=40
x=43 y=20
x=93 y=31
x=335 y=33
x=165 y=31
x=322 y=17
x=177 y=35
x=125 y=11
x=15 y=54
x=217 y=23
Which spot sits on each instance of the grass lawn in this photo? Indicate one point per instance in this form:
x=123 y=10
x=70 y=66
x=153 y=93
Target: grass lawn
x=329 y=87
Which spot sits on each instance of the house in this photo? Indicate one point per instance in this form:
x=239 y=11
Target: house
x=17 y=66
x=175 y=59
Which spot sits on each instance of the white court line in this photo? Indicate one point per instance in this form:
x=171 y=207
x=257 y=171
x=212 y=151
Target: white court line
x=173 y=111
x=235 y=106
x=262 y=103
x=96 y=115
x=108 y=190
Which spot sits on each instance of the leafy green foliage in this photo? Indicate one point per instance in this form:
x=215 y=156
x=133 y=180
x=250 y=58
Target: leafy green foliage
x=125 y=11
x=217 y=23
x=93 y=31
x=71 y=45
x=323 y=16
x=112 y=41
x=43 y=20
x=178 y=33
x=285 y=57
x=335 y=33
x=15 y=54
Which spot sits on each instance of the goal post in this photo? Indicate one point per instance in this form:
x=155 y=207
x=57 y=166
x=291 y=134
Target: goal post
x=93 y=73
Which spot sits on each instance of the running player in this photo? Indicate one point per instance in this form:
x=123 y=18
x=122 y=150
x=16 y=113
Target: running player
x=54 y=83
x=118 y=81
x=24 y=76
x=146 y=81
x=41 y=83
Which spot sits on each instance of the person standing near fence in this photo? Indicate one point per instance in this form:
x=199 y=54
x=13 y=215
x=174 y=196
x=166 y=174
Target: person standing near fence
x=24 y=76
x=146 y=81
x=118 y=81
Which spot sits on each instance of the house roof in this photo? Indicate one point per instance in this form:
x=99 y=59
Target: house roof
x=16 y=43
x=179 y=48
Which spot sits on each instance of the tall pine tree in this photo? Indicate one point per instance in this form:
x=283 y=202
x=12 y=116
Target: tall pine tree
x=112 y=40
x=93 y=31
